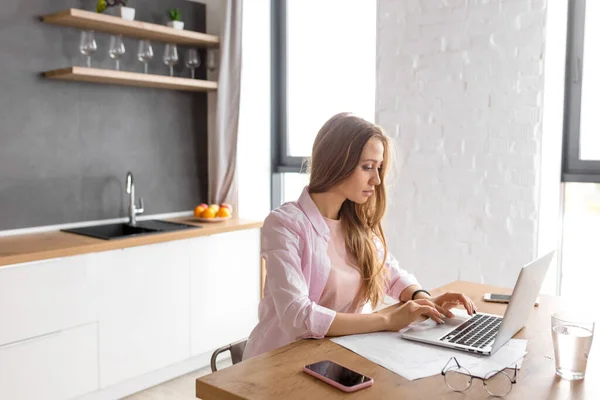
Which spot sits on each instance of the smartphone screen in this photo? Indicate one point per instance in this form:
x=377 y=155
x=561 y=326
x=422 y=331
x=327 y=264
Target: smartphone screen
x=337 y=373
x=500 y=297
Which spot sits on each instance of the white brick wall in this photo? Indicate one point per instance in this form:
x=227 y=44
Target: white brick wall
x=459 y=89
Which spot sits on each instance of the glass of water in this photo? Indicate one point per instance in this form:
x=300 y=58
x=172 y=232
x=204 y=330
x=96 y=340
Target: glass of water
x=572 y=336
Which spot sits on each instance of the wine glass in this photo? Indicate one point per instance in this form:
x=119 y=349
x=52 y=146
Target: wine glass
x=87 y=46
x=145 y=53
x=192 y=61
x=171 y=57
x=211 y=60
x=117 y=49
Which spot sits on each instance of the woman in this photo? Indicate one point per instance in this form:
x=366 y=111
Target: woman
x=325 y=252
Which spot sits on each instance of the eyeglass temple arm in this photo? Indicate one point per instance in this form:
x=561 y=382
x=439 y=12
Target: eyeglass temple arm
x=455 y=360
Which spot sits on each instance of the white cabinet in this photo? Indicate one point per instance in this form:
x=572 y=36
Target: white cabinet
x=45 y=296
x=143 y=309
x=59 y=365
x=73 y=325
x=225 y=288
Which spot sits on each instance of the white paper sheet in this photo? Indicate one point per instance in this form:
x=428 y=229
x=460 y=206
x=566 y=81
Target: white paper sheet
x=507 y=356
x=413 y=360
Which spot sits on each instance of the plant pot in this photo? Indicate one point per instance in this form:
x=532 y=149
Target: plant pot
x=175 y=24
x=127 y=13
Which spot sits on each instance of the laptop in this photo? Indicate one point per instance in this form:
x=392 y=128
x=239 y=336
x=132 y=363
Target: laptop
x=486 y=333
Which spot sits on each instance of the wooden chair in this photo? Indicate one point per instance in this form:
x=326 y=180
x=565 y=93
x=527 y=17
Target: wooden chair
x=236 y=349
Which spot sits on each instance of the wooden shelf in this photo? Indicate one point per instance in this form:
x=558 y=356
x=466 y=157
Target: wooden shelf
x=142 y=30
x=131 y=79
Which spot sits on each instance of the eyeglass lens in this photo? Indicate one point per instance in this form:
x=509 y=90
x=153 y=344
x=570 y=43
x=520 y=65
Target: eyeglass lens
x=458 y=379
x=497 y=383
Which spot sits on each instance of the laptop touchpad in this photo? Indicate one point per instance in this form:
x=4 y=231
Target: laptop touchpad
x=433 y=330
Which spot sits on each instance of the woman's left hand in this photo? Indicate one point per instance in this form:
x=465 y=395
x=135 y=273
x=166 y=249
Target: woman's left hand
x=450 y=300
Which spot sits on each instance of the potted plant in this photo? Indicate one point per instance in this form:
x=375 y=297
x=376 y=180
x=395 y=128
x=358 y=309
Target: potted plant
x=117 y=8
x=175 y=16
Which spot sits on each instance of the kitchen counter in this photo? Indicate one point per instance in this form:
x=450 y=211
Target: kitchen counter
x=41 y=246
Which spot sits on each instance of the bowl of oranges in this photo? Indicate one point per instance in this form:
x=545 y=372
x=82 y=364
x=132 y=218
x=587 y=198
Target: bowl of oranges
x=213 y=213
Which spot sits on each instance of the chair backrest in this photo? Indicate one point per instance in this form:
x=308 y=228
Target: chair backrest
x=236 y=349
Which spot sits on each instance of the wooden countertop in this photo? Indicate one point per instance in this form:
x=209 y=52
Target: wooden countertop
x=41 y=246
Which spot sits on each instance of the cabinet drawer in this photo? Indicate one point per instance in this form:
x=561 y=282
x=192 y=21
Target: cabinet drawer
x=44 y=296
x=59 y=365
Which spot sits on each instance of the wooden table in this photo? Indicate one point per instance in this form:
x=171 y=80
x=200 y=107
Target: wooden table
x=278 y=374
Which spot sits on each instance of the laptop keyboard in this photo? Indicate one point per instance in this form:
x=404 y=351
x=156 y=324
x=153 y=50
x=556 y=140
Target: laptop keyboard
x=477 y=332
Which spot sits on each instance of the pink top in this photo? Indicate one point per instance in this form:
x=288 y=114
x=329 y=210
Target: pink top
x=344 y=283
x=294 y=245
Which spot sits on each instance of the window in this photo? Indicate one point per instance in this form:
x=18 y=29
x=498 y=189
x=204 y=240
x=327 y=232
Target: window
x=581 y=153
x=324 y=59
x=589 y=145
x=293 y=184
x=331 y=65
x=581 y=230
x=582 y=121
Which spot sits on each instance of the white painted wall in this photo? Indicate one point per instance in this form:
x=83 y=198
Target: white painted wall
x=254 y=142
x=550 y=214
x=459 y=90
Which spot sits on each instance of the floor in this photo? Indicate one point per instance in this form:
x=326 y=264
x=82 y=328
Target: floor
x=182 y=388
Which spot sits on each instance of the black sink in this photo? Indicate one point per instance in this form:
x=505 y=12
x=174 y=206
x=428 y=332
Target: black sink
x=124 y=230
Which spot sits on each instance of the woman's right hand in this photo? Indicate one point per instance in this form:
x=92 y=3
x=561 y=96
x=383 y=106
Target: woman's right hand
x=399 y=316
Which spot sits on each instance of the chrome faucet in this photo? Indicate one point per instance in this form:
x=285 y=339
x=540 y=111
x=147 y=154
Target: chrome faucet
x=133 y=210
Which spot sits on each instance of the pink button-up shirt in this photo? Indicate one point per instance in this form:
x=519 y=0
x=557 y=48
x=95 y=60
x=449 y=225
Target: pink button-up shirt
x=294 y=246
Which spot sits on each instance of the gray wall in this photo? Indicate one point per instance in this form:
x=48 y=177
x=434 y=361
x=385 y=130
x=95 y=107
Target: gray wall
x=65 y=147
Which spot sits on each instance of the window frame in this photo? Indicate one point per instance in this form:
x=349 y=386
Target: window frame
x=281 y=162
x=574 y=169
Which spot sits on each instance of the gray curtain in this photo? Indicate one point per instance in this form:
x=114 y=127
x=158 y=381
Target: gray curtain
x=223 y=134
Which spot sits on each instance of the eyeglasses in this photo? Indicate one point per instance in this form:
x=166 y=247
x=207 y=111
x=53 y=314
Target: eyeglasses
x=459 y=379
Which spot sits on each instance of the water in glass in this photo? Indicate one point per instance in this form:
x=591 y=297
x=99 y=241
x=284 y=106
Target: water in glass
x=572 y=343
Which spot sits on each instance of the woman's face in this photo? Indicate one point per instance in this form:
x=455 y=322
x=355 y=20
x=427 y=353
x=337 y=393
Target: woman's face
x=361 y=184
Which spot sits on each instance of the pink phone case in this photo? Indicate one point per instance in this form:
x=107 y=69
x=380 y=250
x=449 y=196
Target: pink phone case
x=336 y=384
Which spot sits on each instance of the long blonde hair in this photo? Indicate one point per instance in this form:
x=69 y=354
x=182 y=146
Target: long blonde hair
x=335 y=155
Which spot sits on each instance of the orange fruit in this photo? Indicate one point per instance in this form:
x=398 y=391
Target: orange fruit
x=224 y=212
x=198 y=210
x=208 y=213
x=226 y=205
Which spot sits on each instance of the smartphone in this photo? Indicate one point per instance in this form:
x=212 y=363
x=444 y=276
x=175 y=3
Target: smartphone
x=502 y=298
x=338 y=376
